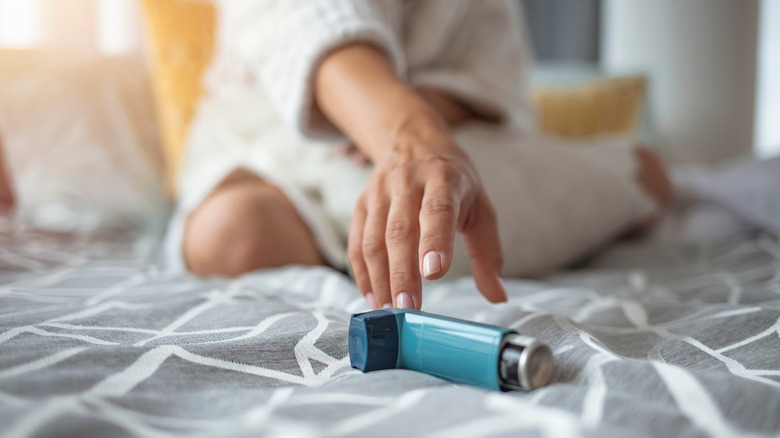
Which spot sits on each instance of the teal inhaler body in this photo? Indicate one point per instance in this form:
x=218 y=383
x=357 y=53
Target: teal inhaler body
x=460 y=351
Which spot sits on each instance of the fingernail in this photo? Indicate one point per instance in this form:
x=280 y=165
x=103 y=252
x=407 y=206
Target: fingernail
x=431 y=263
x=371 y=301
x=387 y=305
x=404 y=301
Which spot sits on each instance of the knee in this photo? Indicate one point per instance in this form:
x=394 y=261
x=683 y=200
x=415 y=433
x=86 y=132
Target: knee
x=229 y=234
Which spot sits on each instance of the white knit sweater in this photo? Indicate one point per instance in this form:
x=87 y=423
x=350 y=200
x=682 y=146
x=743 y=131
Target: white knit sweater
x=475 y=50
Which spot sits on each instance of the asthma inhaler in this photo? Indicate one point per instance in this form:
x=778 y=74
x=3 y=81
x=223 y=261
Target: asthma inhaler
x=453 y=349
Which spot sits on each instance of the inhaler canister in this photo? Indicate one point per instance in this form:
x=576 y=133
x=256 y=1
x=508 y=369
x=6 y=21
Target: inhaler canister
x=460 y=351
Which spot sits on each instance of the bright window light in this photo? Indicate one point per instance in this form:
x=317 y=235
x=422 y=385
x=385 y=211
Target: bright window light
x=118 y=26
x=20 y=23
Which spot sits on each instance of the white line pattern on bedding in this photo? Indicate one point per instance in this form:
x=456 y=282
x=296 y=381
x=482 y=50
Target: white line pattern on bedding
x=98 y=341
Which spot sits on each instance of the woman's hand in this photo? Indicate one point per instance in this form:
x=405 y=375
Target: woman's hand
x=420 y=193
x=449 y=109
x=423 y=188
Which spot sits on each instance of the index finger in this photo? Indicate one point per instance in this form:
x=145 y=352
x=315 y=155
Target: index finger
x=438 y=225
x=402 y=237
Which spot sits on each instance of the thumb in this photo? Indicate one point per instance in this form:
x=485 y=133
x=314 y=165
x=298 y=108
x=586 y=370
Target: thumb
x=484 y=245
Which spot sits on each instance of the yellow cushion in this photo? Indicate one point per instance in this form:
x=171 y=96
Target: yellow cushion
x=182 y=34
x=602 y=107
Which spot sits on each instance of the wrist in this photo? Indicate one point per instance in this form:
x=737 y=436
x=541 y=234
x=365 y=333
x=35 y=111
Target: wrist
x=418 y=131
x=451 y=110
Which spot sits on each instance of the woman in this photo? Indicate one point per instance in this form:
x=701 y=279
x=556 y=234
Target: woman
x=432 y=93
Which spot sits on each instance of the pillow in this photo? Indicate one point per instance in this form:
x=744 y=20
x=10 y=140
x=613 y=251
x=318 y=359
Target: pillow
x=606 y=106
x=80 y=141
x=181 y=35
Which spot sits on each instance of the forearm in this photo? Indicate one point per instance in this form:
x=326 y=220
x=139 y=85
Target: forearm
x=358 y=91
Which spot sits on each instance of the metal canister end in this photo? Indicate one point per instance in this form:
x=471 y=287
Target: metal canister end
x=525 y=363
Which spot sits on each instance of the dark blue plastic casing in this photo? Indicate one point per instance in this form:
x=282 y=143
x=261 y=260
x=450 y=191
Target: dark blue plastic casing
x=453 y=349
x=373 y=341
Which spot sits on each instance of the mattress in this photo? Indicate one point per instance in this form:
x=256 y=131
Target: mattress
x=97 y=339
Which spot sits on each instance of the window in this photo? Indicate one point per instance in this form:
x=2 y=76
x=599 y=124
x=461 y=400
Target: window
x=83 y=26
x=20 y=23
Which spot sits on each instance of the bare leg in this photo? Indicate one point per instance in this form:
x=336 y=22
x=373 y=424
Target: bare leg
x=6 y=195
x=653 y=178
x=244 y=225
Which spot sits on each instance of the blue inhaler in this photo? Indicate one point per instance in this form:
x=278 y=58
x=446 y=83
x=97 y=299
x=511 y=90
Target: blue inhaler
x=453 y=349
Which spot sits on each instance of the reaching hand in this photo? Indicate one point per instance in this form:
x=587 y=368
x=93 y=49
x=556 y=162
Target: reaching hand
x=420 y=193
x=423 y=187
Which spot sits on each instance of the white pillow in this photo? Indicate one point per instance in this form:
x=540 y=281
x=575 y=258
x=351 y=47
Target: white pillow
x=81 y=141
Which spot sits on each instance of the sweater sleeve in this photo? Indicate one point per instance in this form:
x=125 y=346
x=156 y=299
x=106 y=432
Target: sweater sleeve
x=283 y=41
x=483 y=62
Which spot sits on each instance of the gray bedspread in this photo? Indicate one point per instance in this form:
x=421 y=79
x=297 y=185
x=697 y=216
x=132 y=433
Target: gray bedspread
x=649 y=341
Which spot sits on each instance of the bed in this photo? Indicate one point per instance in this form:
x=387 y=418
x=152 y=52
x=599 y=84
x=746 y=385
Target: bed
x=97 y=339
x=651 y=337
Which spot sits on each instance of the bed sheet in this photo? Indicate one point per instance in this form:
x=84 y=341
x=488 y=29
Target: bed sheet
x=96 y=339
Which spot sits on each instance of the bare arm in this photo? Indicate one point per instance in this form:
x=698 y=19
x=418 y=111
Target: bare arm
x=423 y=188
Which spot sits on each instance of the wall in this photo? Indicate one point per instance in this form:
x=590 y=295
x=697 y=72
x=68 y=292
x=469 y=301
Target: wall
x=701 y=58
x=564 y=30
x=768 y=96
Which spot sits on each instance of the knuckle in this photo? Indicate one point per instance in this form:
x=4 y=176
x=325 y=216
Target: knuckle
x=493 y=257
x=398 y=230
x=400 y=278
x=440 y=206
x=361 y=203
x=373 y=246
x=354 y=253
x=376 y=191
x=447 y=173
x=402 y=175
x=436 y=238
x=495 y=254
